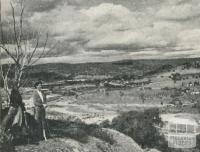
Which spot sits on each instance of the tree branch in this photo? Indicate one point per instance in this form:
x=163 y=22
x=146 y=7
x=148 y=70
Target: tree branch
x=14 y=28
x=34 y=51
x=43 y=55
x=9 y=54
x=5 y=80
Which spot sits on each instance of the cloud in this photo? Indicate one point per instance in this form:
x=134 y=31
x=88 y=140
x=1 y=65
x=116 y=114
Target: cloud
x=115 y=16
x=63 y=25
x=5 y=8
x=117 y=29
x=189 y=38
x=60 y=21
x=180 y=11
x=105 y=10
x=42 y=5
x=128 y=40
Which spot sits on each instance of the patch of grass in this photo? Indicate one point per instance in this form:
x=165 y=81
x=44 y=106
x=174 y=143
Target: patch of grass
x=71 y=127
x=76 y=129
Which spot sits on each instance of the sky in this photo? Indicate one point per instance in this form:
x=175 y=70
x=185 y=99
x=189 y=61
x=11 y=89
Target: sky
x=110 y=30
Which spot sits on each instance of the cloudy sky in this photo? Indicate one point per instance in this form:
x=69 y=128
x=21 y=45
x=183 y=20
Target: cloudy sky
x=108 y=30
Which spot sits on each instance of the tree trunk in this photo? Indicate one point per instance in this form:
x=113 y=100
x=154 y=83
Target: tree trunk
x=0 y=63
x=0 y=109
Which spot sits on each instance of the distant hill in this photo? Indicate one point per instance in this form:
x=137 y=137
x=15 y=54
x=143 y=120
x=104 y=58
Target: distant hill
x=127 y=69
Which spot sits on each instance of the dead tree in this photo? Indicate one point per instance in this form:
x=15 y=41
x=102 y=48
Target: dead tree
x=23 y=55
x=4 y=77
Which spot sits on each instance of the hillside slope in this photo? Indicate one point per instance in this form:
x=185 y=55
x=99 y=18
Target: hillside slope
x=122 y=143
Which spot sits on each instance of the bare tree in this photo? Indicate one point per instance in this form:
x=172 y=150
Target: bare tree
x=22 y=55
x=0 y=63
x=4 y=77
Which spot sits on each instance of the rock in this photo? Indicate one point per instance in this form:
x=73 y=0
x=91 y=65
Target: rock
x=121 y=143
x=152 y=150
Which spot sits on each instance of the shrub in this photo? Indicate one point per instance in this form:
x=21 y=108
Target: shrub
x=5 y=142
x=77 y=134
x=141 y=127
x=103 y=135
x=105 y=124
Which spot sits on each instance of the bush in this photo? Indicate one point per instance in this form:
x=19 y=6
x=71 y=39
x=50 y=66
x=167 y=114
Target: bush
x=5 y=142
x=141 y=127
x=103 y=135
x=105 y=124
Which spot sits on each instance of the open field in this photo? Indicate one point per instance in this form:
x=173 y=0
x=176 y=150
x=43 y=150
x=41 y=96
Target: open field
x=94 y=106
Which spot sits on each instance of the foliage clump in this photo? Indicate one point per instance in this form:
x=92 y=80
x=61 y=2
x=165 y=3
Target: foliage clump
x=141 y=127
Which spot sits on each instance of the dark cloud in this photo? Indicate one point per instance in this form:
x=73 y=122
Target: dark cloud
x=8 y=32
x=180 y=11
x=131 y=4
x=65 y=48
x=127 y=47
x=112 y=27
x=182 y=19
x=42 y=5
x=182 y=2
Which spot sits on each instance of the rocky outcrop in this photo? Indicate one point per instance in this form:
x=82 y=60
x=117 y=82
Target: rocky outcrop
x=107 y=140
